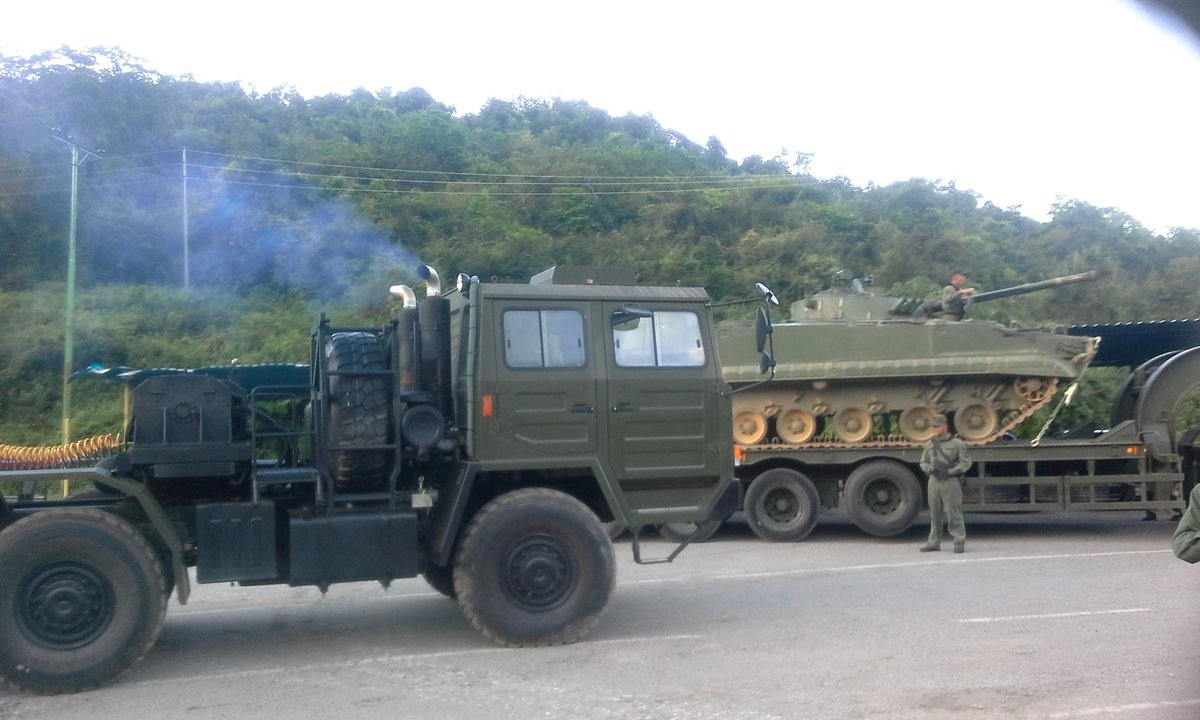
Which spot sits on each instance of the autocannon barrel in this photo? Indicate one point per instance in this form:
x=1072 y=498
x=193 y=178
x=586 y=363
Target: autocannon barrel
x=1034 y=286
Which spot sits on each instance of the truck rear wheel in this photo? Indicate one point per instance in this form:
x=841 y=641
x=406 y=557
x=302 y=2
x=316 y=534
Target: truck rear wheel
x=535 y=567
x=882 y=497
x=782 y=505
x=358 y=411
x=84 y=600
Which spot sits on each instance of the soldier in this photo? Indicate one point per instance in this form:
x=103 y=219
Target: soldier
x=1186 y=542
x=954 y=296
x=945 y=461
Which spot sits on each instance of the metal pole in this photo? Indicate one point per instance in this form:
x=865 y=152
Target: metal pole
x=187 y=283
x=79 y=155
x=69 y=347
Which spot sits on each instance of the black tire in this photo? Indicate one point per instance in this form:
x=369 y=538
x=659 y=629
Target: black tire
x=678 y=532
x=440 y=578
x=535 y=567
x=83 y=601
x=782 y=505
x=882 y=498
x=359 y=411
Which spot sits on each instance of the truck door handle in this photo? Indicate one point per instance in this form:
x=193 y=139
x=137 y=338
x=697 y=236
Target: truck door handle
x=624 y=408
x=583 y=408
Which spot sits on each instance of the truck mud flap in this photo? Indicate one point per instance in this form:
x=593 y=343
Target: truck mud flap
x=726 y=503
x=723 y=506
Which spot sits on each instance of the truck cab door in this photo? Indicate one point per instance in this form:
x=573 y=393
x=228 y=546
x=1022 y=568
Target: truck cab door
x=546 y=395
x=669 y=444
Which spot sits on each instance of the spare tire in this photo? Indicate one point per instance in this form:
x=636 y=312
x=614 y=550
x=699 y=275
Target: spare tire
x=358 y=411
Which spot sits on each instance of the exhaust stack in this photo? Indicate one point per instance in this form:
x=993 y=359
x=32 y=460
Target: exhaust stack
x=433 y=283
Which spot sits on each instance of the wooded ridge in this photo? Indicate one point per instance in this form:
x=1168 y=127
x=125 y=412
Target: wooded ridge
x=217 y=223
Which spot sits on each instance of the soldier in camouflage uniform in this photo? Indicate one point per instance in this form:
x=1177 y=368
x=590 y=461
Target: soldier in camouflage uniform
x=945 y=460
x=954 y=296
x=1186 y=542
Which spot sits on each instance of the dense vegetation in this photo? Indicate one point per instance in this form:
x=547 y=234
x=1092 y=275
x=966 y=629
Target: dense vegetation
x=299 y=204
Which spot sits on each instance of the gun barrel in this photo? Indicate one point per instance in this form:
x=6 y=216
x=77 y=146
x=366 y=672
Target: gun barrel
x=1035 y=286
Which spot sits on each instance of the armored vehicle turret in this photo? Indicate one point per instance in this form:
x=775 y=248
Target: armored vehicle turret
x=854 y=366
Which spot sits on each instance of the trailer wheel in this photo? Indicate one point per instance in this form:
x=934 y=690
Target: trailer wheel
x=358 y=410
x=782 y=505
x=83 y=601
x=882 y=498
x=678 y=532
x=535 y=567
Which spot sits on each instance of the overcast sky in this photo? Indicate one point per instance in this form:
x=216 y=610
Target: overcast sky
x=1022 y=101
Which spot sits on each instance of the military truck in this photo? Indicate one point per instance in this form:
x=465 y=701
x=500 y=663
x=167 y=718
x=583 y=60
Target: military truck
x=481 y=438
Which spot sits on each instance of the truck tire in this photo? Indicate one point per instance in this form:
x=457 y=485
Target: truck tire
x=358 y=410
x=535 y=567
x=678 y=532
x=782 y=505
x=84 y=600
x=882 y=497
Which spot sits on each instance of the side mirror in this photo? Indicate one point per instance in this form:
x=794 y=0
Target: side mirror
x=762 y=333
x=762 y=328
x=766 y=294
x=765 y=363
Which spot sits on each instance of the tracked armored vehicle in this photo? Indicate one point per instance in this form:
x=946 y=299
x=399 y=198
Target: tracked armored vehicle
x=859 y=367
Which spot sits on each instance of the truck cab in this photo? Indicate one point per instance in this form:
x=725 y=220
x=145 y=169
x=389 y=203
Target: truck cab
x=611 y=386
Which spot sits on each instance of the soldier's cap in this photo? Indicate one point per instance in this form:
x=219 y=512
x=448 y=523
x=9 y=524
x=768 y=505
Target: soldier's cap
x=937 y=421
x=964 y=273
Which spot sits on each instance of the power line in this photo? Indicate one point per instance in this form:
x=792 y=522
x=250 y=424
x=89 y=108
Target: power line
x=449 y=182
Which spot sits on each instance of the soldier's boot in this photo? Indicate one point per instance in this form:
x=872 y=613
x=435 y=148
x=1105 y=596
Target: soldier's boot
x=960 y=546
x=931 y=547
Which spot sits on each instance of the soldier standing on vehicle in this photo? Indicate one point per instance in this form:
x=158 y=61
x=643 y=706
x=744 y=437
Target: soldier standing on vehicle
x=945 y=461
x=1186 y=542
x=955 y=295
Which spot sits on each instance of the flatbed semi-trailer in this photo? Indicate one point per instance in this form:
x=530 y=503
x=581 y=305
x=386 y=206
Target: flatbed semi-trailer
x=882 y=489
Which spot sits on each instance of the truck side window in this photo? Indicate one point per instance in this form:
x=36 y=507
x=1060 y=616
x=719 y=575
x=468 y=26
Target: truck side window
x=543 y=338
x=670 y=339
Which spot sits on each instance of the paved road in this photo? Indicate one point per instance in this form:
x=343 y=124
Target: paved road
x=1069 y=616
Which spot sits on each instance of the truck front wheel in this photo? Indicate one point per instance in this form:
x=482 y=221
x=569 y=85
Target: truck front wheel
x=83 y=600
x=535 y=567
x=882 y=497
x=782 y=505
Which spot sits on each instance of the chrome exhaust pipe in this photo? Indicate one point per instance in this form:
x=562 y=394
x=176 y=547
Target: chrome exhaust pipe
x=433 y=283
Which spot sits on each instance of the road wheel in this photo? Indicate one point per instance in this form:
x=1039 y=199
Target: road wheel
x=358 y=411
x=678 y=532
x=882 y=497
x=440 y=578
x=796 y=426
x=852 y=425
x=914 y=423
x=782 y=505
x=83 y=600
x=535 y=567
x=975 y=422
x=749 y=427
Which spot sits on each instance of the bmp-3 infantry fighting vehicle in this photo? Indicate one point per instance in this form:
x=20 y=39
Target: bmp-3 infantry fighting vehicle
x=859 y=367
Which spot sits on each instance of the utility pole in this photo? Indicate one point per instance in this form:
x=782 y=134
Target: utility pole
x=79 y=155
x=187 y=283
